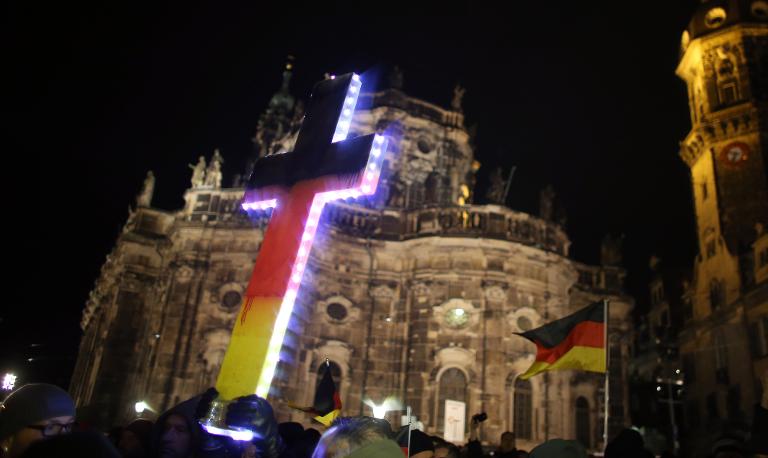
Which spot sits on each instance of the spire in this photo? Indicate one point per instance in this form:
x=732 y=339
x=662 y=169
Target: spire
x=287 y=73
x=276 y=119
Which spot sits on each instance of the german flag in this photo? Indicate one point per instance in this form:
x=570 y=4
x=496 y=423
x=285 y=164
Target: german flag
x=327 y=405
x=574 y=342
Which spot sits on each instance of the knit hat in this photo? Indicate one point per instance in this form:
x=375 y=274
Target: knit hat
x=31 y=404
x=559 y=448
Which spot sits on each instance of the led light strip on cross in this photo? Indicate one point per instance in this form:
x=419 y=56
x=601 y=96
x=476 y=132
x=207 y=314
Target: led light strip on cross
x=367 y=186
x=271 y=334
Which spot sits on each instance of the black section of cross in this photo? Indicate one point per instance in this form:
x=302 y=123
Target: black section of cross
x=314 y=155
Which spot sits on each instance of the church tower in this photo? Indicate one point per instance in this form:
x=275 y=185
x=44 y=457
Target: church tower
x=724 y=63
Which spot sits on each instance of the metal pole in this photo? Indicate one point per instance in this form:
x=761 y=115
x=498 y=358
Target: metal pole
x=364 y=384
x=607 y=374
x=410 y=422
x=671 y=400
x=509 y=184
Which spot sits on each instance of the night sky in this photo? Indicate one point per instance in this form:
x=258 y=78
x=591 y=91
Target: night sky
x=584 y=98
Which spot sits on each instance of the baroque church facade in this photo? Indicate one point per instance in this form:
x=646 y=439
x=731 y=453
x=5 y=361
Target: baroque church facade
x=414 y=292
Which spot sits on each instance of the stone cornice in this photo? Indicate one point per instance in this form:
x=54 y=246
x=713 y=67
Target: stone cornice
x=719 y=126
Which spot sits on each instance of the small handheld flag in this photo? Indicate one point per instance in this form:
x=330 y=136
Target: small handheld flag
x=576 y=341
x=327 y=405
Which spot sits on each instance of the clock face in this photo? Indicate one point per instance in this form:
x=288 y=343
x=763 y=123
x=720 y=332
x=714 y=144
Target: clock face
x=735 y=153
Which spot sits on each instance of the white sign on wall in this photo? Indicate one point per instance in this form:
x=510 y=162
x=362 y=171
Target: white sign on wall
x=455 y=421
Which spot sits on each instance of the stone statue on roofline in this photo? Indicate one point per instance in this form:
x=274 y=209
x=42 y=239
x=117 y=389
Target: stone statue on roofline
x=458 y=97
x=213 y=173
x=495 y=192
x=547 y=203
x=144 y=199
x=198 y=173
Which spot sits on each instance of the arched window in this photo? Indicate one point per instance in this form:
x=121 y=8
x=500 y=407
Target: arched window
x=523 y=409
x=432 y=188
x=721 y=358
x=335 y=374
x=582 y=422
x=716 y=294
x=453 y=386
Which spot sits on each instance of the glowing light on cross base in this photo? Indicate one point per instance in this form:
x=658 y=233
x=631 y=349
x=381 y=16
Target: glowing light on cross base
x=9 y=381
x=367 y=185
x=140 y=407
x=380 y=410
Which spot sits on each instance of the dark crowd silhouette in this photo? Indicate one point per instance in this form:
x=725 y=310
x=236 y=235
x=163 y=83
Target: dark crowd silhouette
x=38 y=420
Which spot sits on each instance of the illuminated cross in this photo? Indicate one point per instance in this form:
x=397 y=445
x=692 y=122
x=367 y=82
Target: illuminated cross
x=323 y=166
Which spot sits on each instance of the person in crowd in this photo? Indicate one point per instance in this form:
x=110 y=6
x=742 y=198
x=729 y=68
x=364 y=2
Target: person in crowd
x=559 y=448
x=79 y=444
x=32 y=413
x=114 y=434
x=444 y=449
x=627 y=444
x=290 y=431
x=255 y=414
x=134 y=441
x=473 y=448
x=176 y=433
x=507 y=445
x=304 y=446
x=357 y=437
x=421 y=445
x=728 y=446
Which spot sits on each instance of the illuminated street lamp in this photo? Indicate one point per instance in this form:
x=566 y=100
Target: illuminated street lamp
x=9 y=381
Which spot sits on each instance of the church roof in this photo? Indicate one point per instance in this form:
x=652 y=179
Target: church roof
x=714 y=15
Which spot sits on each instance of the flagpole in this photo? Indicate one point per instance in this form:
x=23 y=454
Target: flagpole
x=607 y=374
x=408 y=412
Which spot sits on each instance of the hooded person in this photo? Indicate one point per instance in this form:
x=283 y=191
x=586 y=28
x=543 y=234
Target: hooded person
x=134 y=440
x=32 y=413
x=176 y=433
